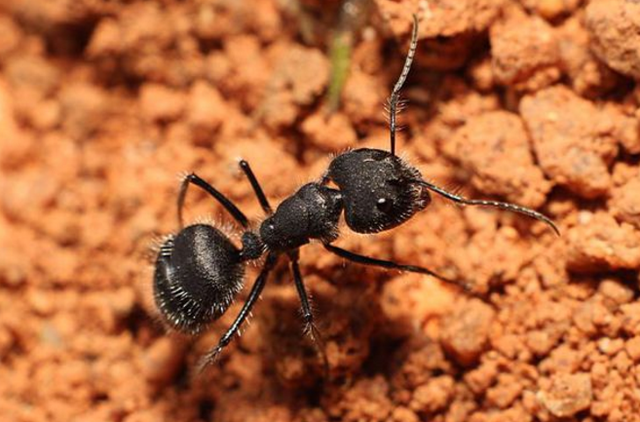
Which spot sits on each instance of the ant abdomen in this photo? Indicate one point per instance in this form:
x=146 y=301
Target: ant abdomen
x=379 y=189
x=198 y=272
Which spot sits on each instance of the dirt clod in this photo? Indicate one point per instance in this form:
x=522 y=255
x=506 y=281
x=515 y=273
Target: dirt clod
x=501 y=164
x=573 y=140
x=465 y=332
x=524 y=52
x=599 y=241
x=614 y=25
x=567 y=394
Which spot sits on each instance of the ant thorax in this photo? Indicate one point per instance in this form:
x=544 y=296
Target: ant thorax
x=310 y=213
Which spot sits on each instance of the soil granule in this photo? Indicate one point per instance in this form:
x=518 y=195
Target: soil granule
x=104 y=103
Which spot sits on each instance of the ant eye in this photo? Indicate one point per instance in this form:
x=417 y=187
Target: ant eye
x=385 y=205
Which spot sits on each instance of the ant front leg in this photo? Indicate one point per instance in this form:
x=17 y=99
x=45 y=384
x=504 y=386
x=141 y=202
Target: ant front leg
x=193 y=178
x=256 y=290
x=365 y=260
x=307 y=314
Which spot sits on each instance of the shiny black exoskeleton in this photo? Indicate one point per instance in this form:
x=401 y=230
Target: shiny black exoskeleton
x=199 y=271
x=381 y=191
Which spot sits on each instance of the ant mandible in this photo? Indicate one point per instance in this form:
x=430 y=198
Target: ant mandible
x=199 y=271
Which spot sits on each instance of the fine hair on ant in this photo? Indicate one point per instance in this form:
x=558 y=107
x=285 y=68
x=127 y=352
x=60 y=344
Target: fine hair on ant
x=199 y=271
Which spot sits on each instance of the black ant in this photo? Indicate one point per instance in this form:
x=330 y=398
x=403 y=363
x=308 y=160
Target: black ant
x=199 y=271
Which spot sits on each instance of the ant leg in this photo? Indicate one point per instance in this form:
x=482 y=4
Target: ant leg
x=259 y=284
x=307 y=315
x=365 y=260
x=264 y=202
x=502 y=205
x=193 y=178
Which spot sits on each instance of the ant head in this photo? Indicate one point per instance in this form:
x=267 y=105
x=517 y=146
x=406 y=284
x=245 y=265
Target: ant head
x=198 y=272
x=380 y=191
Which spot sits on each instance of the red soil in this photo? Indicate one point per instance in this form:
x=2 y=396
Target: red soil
x=103 y=103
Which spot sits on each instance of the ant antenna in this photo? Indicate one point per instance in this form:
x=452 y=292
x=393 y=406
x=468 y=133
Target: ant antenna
x=495 y=204
x=392 y=102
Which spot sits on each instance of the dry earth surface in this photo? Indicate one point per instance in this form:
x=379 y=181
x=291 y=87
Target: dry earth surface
x=103 y=103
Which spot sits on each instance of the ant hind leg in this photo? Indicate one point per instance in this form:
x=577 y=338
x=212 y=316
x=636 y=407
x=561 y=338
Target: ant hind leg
x=256 y=290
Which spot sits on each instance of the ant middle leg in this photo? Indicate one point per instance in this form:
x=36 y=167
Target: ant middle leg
x=193 y=178
x=307 y=314
x=264 y=202
x=375 y=262
x=256 y=290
